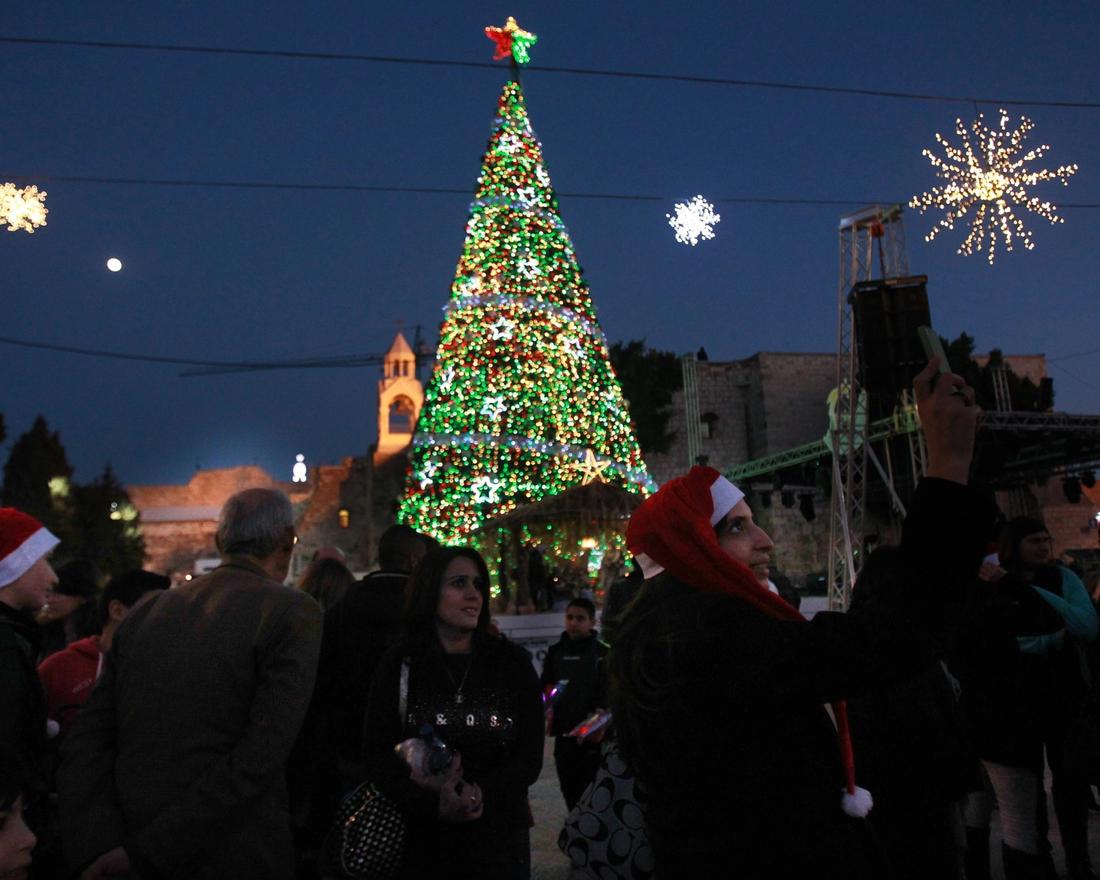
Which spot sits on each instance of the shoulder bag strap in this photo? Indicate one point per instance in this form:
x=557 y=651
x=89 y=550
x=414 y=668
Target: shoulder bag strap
x=403 y=693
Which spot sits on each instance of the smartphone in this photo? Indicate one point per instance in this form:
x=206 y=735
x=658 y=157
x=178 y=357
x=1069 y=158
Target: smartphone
x=930 y=341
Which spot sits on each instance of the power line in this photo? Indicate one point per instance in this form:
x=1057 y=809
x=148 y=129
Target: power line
x=438 y=190
x=212 y=367
x=576 y=71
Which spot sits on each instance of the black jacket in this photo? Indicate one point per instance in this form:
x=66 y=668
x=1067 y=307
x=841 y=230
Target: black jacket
x=358 y=630
x=582 y=664
x=497 y=728
x=22 y=702
x=719 y=708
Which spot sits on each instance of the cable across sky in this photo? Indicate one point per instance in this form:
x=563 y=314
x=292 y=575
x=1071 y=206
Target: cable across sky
x=575 y=71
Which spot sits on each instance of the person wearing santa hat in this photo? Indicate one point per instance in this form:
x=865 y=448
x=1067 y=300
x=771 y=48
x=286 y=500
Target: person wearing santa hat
x=719 y=686
x=25 y=581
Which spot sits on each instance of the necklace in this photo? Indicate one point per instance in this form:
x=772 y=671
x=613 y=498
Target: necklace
x=459 y=685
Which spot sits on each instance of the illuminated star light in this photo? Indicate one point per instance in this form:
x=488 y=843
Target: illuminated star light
x=486 y=490
x=573 y=347
x=590 y=469
x=528 y=267
x=470 y=286
x=493 y=406
x=542 y=176
x=693 y=220
x=526 y=195
x=510 y=144
x=502 y=328
x=989 y=171
x=22 y=208
x=511 y=39
x=446 y=378
x=427 y=474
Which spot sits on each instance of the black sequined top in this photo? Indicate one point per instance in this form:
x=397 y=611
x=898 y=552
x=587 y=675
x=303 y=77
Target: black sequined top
x=486 y=705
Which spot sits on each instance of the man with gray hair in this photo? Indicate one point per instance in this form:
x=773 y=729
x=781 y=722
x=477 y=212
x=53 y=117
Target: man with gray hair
x=174 y=767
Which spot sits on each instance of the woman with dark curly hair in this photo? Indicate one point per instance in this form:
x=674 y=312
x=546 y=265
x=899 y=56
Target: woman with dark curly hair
x=479 y=694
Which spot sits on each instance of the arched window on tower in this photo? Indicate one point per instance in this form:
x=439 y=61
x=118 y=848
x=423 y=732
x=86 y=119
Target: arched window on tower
x=707 y=425
x=402 y=416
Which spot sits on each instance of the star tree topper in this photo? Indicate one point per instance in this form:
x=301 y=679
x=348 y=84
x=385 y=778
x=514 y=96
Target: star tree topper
x=989 y=170
x=512 y=40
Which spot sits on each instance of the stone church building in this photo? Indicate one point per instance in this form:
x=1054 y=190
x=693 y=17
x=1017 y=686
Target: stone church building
x=344 y=505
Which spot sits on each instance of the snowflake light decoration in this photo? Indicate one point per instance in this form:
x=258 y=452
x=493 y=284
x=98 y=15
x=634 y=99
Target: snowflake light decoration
x=22 y=208
x=693 y=220
x=989 y=170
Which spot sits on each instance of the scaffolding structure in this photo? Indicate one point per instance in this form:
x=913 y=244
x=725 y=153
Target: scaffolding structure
x=858 y=234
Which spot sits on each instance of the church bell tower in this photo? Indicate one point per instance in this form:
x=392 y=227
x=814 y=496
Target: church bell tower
x=400 y=398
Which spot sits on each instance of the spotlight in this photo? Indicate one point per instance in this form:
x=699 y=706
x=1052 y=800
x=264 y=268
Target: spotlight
x=806 y=505
x=1071 y=488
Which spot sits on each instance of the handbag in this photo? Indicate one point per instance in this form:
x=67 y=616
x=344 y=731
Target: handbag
x=605 y=835
x=367 y=839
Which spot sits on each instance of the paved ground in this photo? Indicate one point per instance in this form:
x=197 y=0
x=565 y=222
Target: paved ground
x=548 y=863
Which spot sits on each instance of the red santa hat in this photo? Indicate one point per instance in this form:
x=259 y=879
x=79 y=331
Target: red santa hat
x=673 y=531
x=23 y=541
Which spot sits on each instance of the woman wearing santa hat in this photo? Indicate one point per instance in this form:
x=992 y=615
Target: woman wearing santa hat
x=720 y=686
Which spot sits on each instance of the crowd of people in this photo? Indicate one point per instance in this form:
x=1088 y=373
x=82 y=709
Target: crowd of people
x=228 y=727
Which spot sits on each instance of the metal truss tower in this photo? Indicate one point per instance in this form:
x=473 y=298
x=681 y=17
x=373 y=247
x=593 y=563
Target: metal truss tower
x=849 y=429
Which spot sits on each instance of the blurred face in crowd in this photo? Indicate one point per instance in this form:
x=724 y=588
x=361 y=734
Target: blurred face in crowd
x=59 y=606
x=16 y=842
x=745 y=541
x=31 y=590
x=460 y=595
x=578 y=623
x=1035 y=549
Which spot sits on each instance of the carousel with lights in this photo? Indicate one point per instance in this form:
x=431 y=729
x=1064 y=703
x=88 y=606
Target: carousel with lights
x=524 y=442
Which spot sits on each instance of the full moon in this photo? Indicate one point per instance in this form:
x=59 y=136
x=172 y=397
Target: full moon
x=114 y=264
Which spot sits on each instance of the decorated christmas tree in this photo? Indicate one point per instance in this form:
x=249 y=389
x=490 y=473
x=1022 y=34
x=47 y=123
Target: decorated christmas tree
x=523 y=402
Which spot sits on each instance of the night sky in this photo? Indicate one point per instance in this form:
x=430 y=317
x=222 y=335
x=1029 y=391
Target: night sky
x=262 y=274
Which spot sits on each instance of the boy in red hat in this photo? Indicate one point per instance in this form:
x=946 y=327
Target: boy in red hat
x=718 y=685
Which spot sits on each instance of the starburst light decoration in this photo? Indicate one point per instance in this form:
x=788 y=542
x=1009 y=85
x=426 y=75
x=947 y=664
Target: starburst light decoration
x=693 y=221
x=989 y=171
x=22 y=208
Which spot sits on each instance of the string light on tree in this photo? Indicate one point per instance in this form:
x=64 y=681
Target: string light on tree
x=523 y=384
x=22 y=208
x=988 y=171
x=694 y=221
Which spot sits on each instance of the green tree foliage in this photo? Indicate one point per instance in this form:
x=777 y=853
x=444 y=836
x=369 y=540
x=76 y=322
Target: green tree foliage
x=106 y=524
x=1024 y=393
x=649 y=379
x=95 y=520
x=36 y=477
